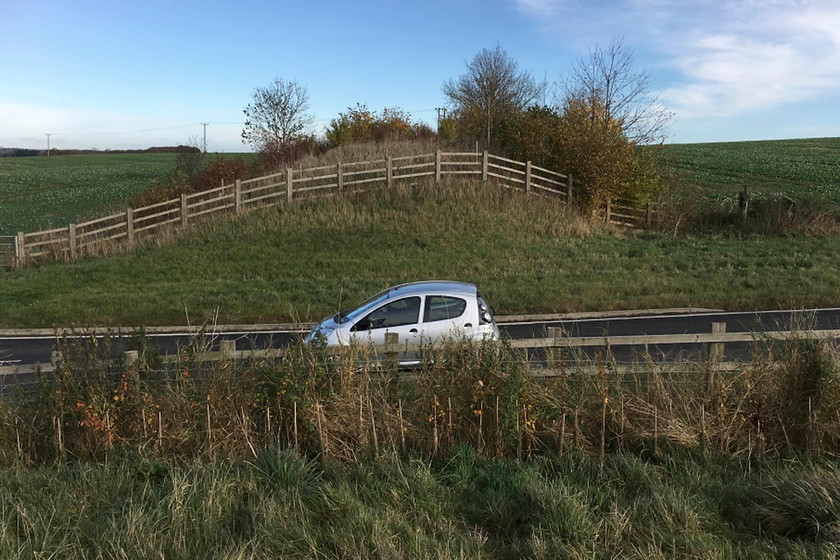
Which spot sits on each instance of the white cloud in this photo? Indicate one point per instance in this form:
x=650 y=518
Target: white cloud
x=722 y=57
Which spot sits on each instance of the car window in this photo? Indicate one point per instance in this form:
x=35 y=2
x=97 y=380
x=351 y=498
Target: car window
x=439 y=308
x=404 y=311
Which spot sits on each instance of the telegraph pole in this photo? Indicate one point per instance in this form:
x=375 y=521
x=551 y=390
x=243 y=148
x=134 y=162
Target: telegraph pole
x=204 y=124
x=48 y=142
x=440 y=110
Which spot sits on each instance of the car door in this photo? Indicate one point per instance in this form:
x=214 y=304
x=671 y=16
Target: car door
x=444 y=316
x=400 y=316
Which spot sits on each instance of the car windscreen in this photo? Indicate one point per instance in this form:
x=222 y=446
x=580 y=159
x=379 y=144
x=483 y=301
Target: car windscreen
x=360 y=311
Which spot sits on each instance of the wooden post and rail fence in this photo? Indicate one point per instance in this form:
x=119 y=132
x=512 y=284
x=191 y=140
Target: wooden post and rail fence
x=123 y=230
x=556 y=340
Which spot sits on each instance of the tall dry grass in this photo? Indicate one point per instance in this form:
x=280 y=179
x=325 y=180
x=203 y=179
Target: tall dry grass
x=488 y=398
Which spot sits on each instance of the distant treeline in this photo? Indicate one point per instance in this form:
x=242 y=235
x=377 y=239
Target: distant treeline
x=21 y=152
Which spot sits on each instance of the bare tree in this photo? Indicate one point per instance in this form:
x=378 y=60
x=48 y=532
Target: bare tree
x=492 y=89
x=277 y=116
x=617 y=91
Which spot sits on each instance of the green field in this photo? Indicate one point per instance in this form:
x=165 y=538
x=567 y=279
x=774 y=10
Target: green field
x=795 y=168
x=305 y=261
x=43 y=192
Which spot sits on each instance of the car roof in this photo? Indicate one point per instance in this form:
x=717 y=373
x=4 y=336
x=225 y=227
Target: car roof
x=441 y=286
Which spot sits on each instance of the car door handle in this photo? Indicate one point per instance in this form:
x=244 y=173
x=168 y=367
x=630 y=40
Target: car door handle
x=413 y=331
x=468 y=325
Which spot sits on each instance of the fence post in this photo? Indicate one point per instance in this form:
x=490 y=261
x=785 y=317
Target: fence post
x=237 y=196
x=391 y=355
x=437 y=166
x=389 y=168
x=485 y=158
x=609 y=211
x=716 y=349
x=528 y=176
x=570 y=197
x=71 y=237
x=340 y=172
x=289 y=182
x=227 y=348
x=20 y=250
x=129 y=225
x=184 y=210
x=716 y=354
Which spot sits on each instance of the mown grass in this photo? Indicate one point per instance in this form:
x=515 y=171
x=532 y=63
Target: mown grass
x=807 y=168
x=280 y=505
x=308 y=260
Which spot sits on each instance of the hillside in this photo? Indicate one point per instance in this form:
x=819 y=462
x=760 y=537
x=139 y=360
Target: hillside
x=307 y=260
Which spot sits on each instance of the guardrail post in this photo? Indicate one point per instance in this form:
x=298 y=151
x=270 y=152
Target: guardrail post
x=389 y=169
x=438 y=166
x=227 y=348
x=184 y=210
x=20 y=250
x=485 y=159
x=716 y=354
x=556 y=334
x=528 y=176
x=340 y=173
x=716 y=349
x=71 y=238
x=391 y=351
x=237 y=196
x=129 y=225
x=289 y=183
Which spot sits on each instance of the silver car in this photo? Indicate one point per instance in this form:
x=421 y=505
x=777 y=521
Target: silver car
x=419 y=312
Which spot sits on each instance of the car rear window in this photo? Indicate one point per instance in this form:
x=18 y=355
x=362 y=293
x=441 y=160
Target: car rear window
x=439 y=308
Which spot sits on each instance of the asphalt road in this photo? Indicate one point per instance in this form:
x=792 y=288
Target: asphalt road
x=27 y=348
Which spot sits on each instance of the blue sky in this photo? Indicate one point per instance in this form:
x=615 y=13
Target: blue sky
x=132 y=75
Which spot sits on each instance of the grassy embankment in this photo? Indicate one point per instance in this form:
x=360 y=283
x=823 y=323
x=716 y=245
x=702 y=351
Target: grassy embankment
x=304 y=262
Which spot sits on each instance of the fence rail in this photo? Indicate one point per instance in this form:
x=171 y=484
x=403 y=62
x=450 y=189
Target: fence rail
x=123 y=230
x=714 y=343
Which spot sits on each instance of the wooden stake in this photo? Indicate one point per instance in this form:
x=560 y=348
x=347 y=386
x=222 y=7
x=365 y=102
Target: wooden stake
x=296 y=429
x=655 y=430
x=479 y=445
x=145 y=432
x=268 y=422
x=373 y=427
x=562 y=435
x=160 y=428
x=321 y=433
x=402 y=427
x=435 y=429
x=451 y=437
x=209 y=431
x=603 y=428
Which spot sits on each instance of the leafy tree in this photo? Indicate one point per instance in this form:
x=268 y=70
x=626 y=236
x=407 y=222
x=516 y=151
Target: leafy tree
x=492 y=90
x=595 y=149
x=360 y=124
x=616 y=91
x=277 y=117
